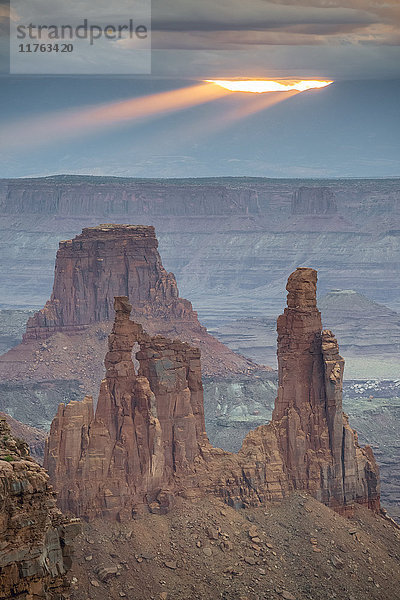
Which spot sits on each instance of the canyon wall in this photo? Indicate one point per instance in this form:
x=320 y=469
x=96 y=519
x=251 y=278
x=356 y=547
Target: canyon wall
x=146 y=442
x=36 y=539
x=314 y=201
x=242 y=237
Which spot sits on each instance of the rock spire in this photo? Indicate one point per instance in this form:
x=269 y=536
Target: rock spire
x=147 y=442
x=147 y=431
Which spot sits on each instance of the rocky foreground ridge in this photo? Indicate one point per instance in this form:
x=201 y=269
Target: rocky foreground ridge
x=35 y=538
x=35 y=438
x=146 y=442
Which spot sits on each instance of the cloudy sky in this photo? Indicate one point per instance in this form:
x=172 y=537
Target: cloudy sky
x=328 y=38
x=338 y=39
x=355 y=43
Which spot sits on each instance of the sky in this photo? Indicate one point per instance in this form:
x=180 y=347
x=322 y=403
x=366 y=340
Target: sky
x=164 y=121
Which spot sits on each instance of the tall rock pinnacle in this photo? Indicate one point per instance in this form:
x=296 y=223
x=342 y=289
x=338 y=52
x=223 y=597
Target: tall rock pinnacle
x=321 y=451
x=147 y=442
x=308 y=445
x=146 y=433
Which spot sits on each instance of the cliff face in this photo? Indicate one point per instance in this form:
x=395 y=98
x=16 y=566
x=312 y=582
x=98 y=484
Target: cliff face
x=147 y=441
x=146 y=434
x=72 y=195
x=104 y=262
x=35 y=547
x=314 y=201
x=235 y=233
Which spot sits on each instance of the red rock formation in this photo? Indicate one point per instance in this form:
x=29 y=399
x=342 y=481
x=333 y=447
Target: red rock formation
x=35 y=538
x=309 y=444
x=146 y=434
x=320 y=450
x=101 y=263
x=147 y=441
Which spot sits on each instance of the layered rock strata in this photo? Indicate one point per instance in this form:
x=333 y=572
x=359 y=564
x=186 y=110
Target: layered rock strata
x=99 y=264
x=314 y=201
x=35 y=538
x=35 y=438
x=147 y=442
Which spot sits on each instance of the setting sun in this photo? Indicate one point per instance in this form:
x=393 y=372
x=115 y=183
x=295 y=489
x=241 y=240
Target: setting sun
x=262 y=86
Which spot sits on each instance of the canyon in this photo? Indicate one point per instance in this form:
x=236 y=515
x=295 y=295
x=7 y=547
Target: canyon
x=64 y=343
x=146 y=441
x=61 y=357
x=242 y=236
x=141 y=459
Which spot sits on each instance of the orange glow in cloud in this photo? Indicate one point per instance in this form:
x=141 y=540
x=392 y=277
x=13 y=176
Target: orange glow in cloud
x=261 y=86
x=59 y=126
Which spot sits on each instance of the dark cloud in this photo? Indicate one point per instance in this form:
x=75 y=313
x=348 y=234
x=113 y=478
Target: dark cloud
x=387 y=10
x=181 y=15
x=336 y=38
x=340 y=38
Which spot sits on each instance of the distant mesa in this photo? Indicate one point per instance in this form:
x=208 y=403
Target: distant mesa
x=352 y=302
x=112 y=260
x=103 y=262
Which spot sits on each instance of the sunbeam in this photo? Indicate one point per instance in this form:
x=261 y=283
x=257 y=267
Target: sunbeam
x=71 y=123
